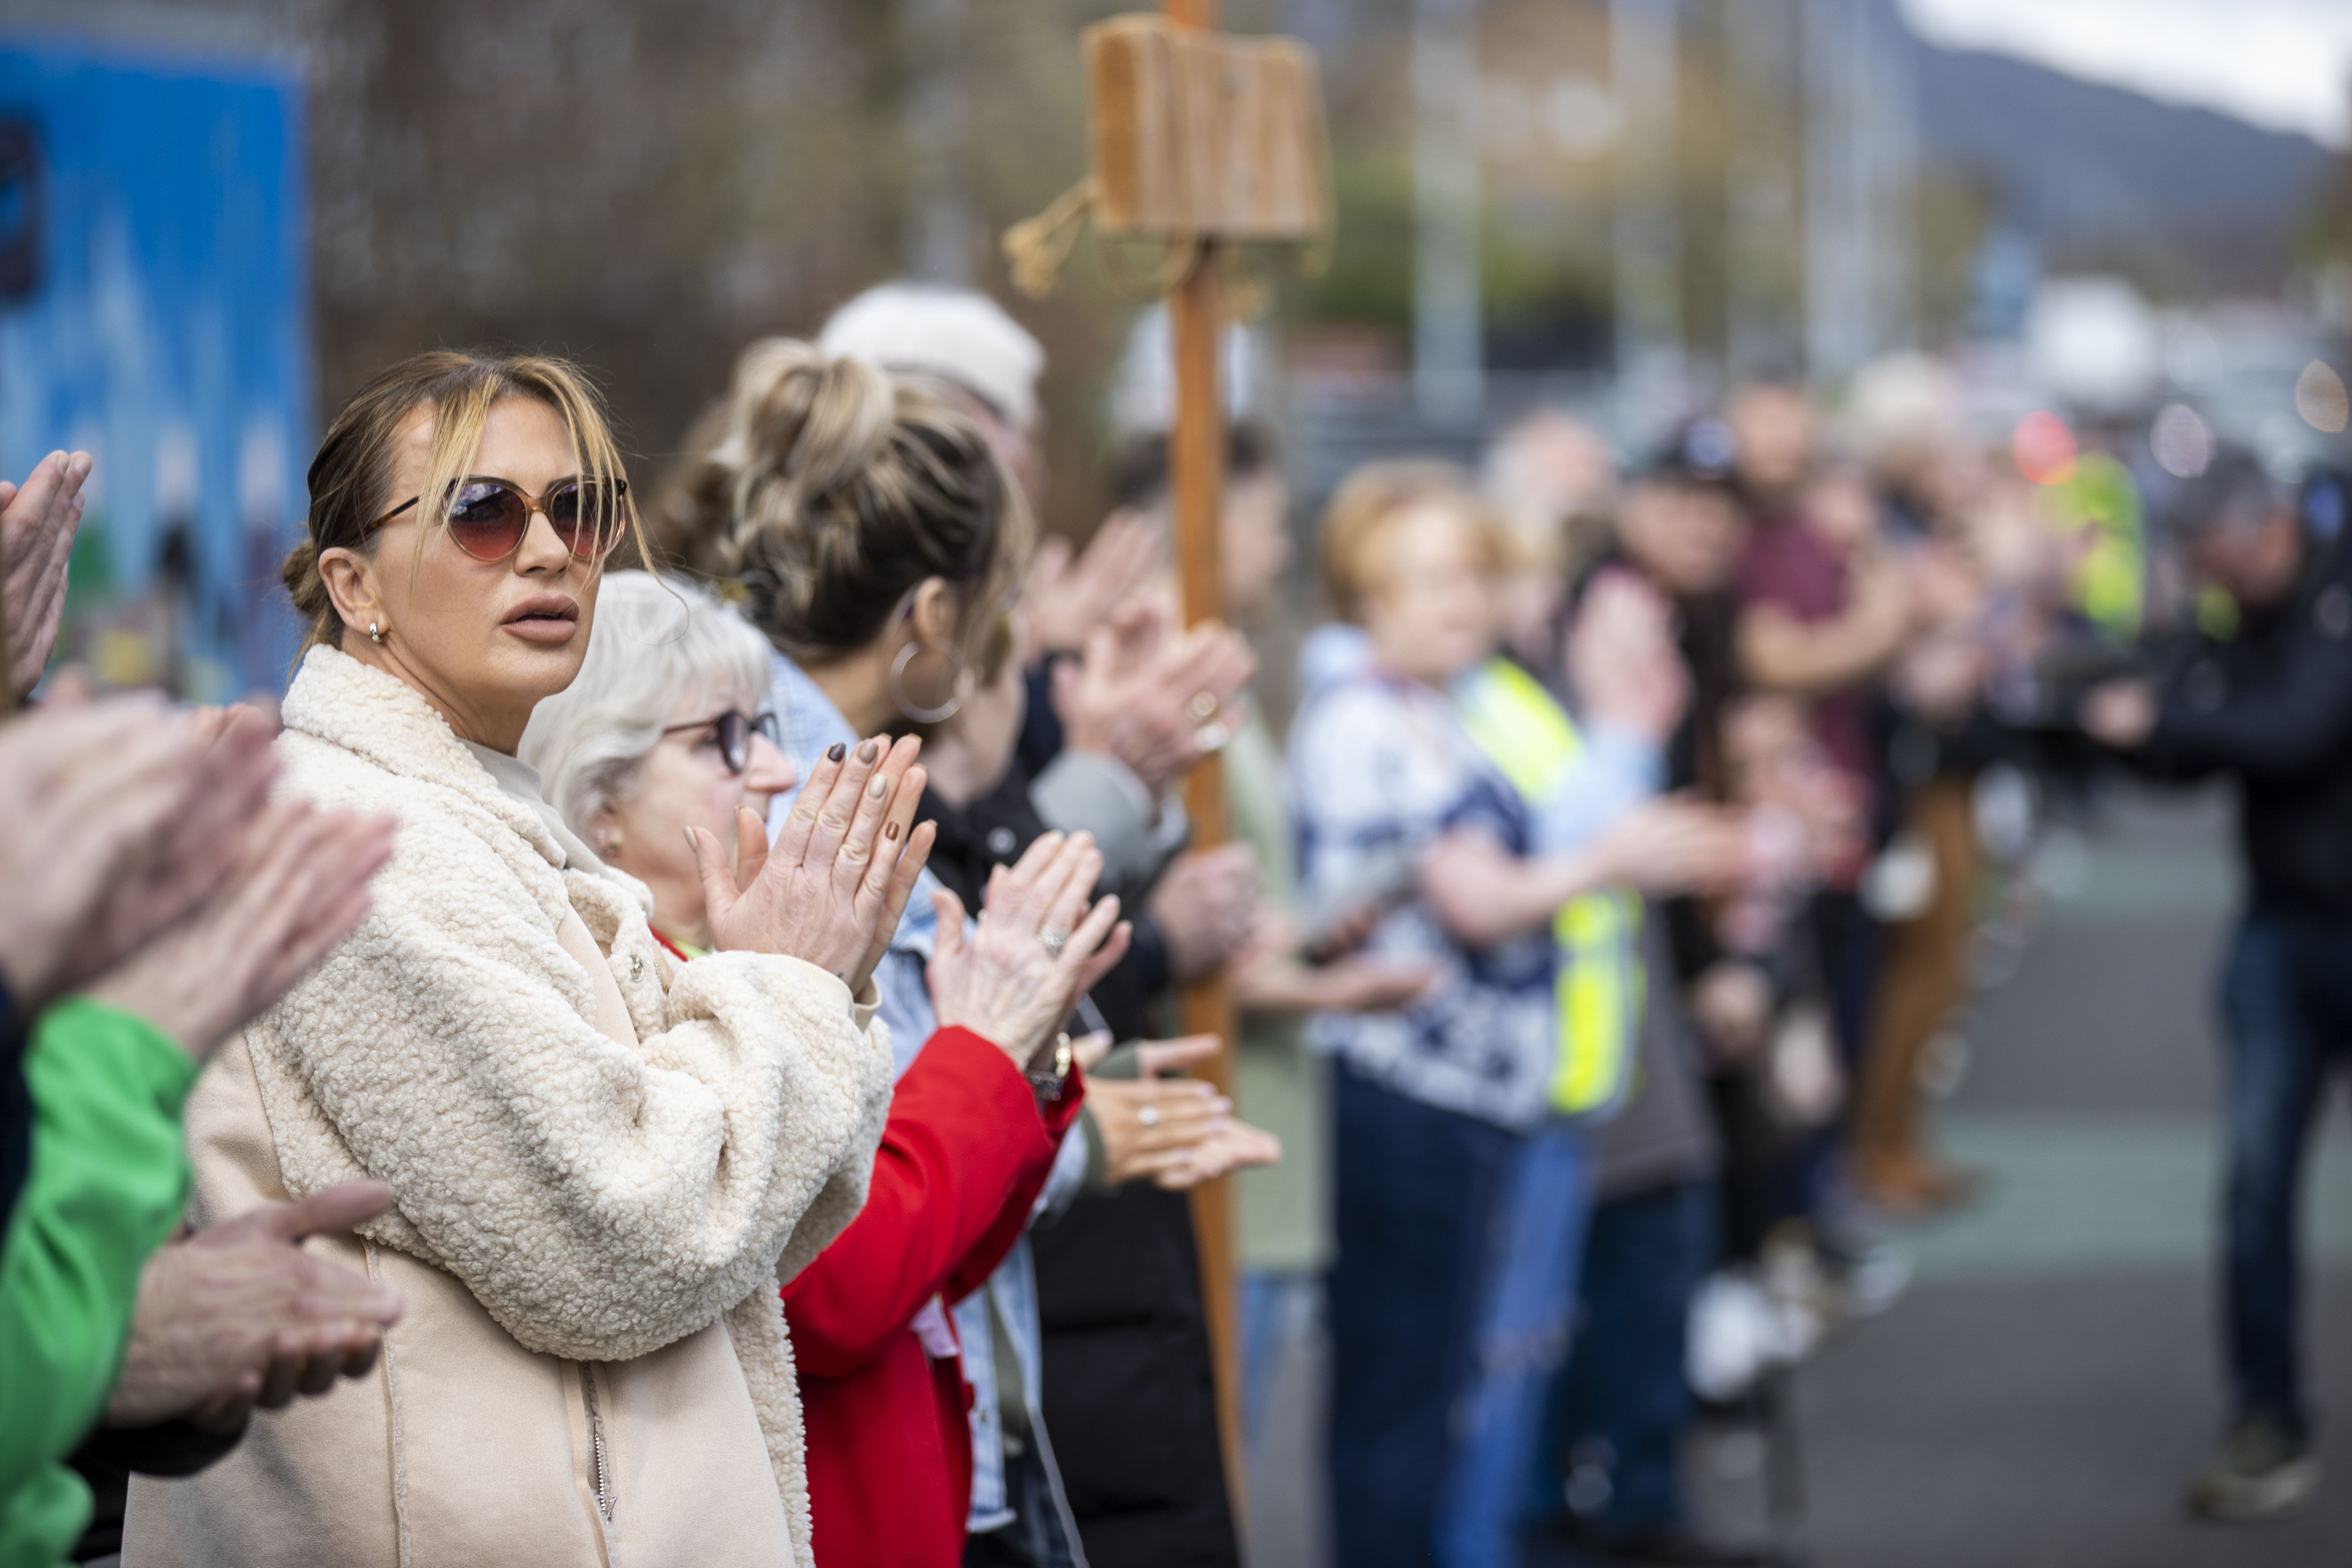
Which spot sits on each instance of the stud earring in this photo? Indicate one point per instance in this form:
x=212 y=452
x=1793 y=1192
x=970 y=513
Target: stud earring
x=376 y=634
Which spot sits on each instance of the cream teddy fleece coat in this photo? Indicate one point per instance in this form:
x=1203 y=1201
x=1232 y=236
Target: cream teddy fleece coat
x=605 y=1160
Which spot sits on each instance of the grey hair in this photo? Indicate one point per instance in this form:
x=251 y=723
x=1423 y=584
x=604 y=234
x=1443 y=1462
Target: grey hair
x=656 y=641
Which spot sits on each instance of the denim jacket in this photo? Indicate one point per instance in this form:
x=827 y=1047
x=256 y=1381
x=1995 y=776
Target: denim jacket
x=809 y=722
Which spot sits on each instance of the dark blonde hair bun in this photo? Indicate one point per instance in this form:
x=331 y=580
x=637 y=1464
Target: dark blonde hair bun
x=829 y=488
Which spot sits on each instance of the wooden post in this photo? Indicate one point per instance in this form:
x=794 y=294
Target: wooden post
x=1196 y=452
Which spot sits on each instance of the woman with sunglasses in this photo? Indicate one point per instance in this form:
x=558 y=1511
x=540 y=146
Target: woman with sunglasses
x=603 y=1159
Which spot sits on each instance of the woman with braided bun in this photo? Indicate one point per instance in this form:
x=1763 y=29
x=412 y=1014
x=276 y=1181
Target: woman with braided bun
x=874 y=536
x=603 y=1161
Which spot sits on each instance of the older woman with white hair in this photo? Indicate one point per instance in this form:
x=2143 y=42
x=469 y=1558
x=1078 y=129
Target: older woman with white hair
x=665 y=730
x=662 y=732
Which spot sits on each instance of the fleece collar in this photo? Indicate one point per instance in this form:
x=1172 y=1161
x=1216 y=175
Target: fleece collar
x=371 y=714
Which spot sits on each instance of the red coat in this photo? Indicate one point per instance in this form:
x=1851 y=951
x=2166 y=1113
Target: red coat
x=889 y=1447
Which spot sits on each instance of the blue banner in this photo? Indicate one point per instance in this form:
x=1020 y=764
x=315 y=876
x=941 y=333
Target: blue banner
x=154 y=311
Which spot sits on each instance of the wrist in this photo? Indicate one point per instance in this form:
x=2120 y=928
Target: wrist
x=1048 y=1069
x=1086 y=731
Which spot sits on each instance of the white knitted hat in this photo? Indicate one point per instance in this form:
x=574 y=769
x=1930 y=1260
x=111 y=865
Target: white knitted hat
x=957 y=334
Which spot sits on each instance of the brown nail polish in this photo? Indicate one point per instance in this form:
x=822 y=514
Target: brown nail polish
x=889 y=830
x=868 y=751
x=835 y=751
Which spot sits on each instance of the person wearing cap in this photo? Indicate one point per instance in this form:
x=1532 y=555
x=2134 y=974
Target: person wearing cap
x=2261 y=692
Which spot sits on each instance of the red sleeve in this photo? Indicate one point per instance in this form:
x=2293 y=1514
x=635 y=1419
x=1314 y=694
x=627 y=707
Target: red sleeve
x=963 y=1158
x=1013 y=1218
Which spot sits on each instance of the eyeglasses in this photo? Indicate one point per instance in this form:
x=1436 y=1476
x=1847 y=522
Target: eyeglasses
x=733 y=730
x=489 y=518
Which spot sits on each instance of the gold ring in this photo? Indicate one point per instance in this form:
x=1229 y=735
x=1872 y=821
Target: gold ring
x=1202 y=708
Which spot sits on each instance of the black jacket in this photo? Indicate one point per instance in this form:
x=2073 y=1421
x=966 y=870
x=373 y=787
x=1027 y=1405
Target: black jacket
x=1130 y=1400
x=2273 y=705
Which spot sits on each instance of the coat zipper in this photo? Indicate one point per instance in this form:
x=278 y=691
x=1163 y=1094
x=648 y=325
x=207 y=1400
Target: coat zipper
x=599 y=1472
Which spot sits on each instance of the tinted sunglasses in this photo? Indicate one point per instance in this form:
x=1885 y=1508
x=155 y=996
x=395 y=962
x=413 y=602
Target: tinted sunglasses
x=733 y=730
x=489 y=518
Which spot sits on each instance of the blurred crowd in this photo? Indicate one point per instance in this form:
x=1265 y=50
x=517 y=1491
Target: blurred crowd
x=663 y=1047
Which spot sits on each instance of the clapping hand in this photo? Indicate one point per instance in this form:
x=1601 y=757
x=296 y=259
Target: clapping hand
x=1154 y=699
x=1037 y=947
x=1177 y=1132
x=297 y=888
x=833 y=887
x=1064 y=602
x=116 y=818
x=1674 y=846
x=1207 y=904
x=37 y=521
x=1269 y=976
x=239 y=1315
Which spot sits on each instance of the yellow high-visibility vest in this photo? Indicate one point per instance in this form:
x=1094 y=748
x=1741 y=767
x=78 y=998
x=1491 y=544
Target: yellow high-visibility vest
x=1599 y=988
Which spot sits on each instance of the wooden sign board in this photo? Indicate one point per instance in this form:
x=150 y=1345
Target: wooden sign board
x=1204 y=135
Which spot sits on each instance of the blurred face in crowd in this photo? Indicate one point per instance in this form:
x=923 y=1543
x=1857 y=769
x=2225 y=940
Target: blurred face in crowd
x=1774 y=428
x=1255 y=536
x=2256 y=563
x=685 y=781
x=1550 y=465
x=1841 y=508
x=1429 y=605
x=483 y=641
x=1687 y=537
x=1528 y=600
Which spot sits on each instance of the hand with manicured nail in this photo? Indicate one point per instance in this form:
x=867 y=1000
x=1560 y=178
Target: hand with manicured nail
x=832 y=888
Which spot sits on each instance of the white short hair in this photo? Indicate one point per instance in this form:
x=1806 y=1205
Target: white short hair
x=657 y=640
x=956 y=335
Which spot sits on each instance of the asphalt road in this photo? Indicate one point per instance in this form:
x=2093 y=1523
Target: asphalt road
x=2039 y=1395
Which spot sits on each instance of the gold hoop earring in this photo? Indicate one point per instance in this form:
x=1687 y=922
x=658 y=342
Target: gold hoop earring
x=919 y=713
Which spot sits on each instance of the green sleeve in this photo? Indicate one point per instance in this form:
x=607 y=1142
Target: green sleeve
x=107 y=1183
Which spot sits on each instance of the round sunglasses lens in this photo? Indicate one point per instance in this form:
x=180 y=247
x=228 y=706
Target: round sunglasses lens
x=587 y=518
x=487 y=521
